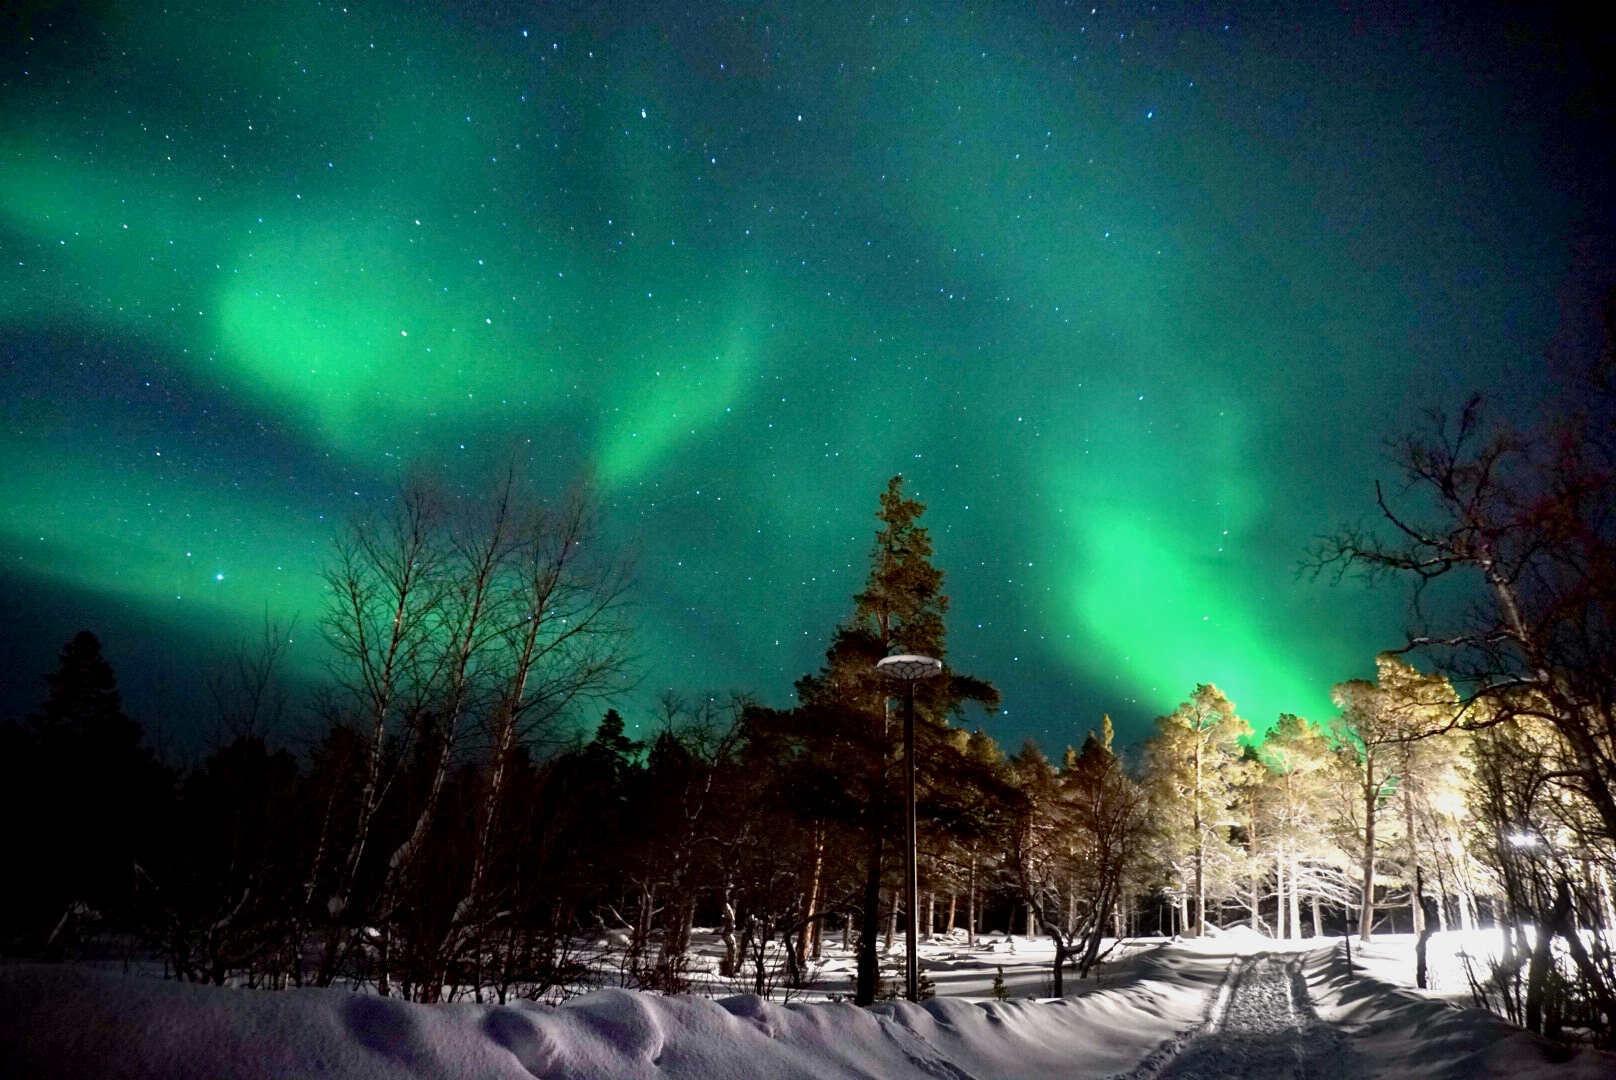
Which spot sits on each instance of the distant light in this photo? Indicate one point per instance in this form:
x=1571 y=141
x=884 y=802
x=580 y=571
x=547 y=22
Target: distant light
x=1522 y=840
x=218 y=577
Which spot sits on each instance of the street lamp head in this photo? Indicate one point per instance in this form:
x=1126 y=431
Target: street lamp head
x=909 y=667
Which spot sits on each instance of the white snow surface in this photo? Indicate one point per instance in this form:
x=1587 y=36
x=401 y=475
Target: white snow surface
x=1232 y=1005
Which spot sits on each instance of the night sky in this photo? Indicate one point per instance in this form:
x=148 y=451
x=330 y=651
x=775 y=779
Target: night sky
x=1132 y=297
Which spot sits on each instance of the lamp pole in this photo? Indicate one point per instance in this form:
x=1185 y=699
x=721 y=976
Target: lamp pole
x=910 y=668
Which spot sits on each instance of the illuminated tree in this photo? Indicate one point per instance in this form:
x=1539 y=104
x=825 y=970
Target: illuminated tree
x=1433 y=778
x=551 y=636
x=1514 y=534
x=1525 y=529
x=1378 y=720
x=1295 y=799
x=385 y=583
x=1193 y=774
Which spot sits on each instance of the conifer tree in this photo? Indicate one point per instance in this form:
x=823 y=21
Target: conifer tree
x=87 y=796
x=1377 y=720
x=1299 y=764
x=1193 y=772
x=846 y=720
x=1430 y=805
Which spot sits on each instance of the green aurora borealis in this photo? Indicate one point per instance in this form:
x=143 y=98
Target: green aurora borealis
x=1131 y=296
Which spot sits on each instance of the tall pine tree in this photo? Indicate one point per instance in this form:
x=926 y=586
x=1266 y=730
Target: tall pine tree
x=1377 y=721
x=1193 y=773
x=847 y=721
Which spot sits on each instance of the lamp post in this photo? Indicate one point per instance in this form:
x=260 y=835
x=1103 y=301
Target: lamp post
x=909 y=669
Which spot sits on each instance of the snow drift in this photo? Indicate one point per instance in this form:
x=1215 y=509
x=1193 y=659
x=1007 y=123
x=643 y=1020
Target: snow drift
x=75 y=1022
x=69 y=1022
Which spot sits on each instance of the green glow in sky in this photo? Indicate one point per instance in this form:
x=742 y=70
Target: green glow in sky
x=1131 y=297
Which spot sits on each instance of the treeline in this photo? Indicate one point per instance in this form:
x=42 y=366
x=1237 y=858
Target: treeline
x=778 y=828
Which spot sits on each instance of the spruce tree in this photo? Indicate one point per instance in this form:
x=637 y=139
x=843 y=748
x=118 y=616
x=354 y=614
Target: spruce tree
x=847 y=722
x=91 y=795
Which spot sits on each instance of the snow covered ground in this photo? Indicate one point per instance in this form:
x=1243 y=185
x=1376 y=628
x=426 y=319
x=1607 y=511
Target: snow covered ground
x=1231 y=1005
x=957 y=968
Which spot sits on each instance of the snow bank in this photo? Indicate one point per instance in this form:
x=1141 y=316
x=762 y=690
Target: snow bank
x=75 y=1022
x=58 y=1021
x=1400 y=1032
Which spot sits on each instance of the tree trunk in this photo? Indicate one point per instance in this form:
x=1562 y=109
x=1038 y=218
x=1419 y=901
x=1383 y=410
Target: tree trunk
x=1419 y=946
x=808 y=940
x=870 y=924
x=1318 y=923
x=1200 y=892
x=1295 y=903
x=1537 y=978
x=1416 y=910
x=970 y=905
x=1442 y=894
x=953 y=909
x=1593 y=978
x=1366 y=913
x=931 y=915
x=1279 y=895
x=1422 y=902
x=1607 y=910
x=1200 y=852
x=731 y=961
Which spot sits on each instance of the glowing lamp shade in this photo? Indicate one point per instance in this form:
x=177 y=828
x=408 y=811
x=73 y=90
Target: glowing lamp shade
x=909 y=668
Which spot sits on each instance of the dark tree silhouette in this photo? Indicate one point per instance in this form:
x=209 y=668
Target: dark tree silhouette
x=846 y=722
x=84 y=798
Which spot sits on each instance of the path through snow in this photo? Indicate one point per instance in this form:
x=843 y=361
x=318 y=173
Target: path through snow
x=1260 y=1022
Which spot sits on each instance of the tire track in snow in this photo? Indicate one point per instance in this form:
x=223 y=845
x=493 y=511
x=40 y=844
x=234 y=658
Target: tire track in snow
x=1260 y=1023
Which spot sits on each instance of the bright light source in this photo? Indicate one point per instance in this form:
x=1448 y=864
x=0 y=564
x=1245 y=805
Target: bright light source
x=1521 y=839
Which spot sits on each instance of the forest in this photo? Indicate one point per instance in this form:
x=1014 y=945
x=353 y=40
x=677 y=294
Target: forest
x=453 y=831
